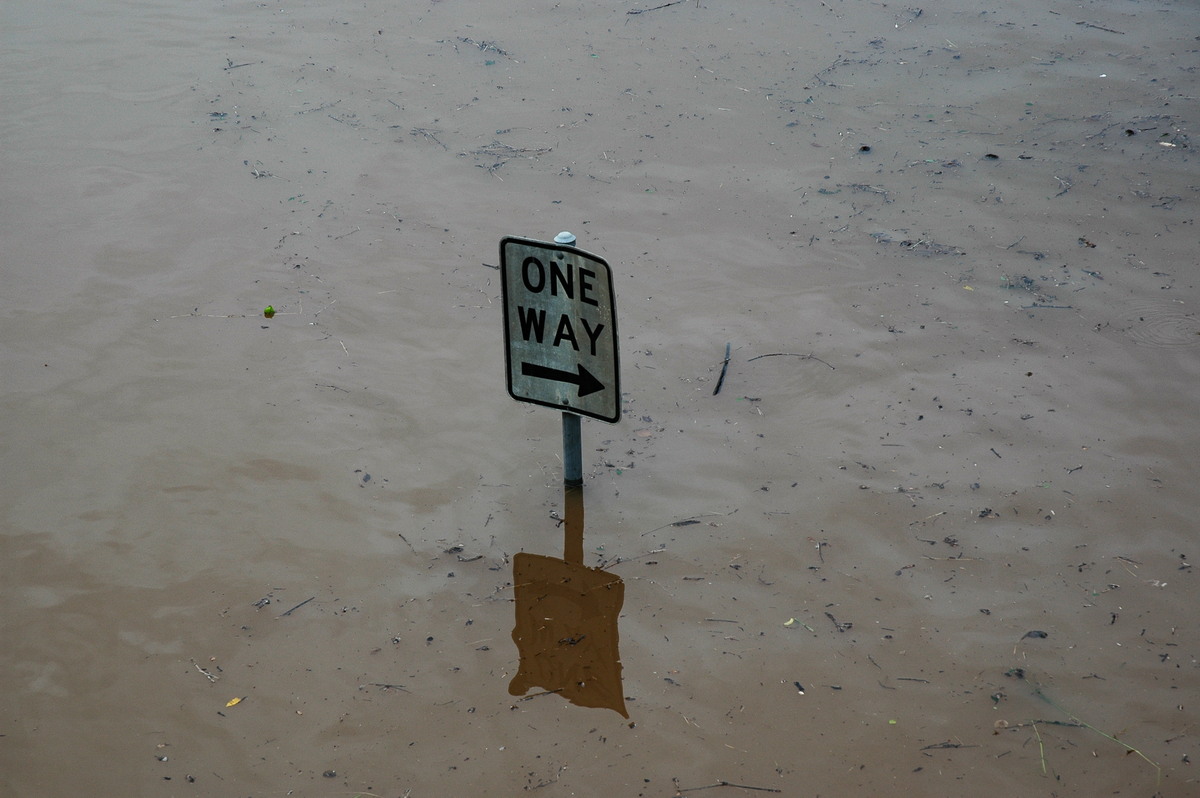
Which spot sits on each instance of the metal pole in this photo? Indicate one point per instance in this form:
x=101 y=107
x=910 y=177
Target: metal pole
x=572 y=451
x=572 y=437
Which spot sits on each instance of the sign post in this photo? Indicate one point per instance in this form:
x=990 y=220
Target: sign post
x=560 y=335
x=560 y=351
x=572 y=450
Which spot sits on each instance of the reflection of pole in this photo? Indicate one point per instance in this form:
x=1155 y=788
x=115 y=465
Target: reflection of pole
x=573 y=524
x=572 y=451
x=572 y=443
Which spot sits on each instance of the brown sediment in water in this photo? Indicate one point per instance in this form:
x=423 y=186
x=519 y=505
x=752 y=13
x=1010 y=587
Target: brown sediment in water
x=985 y=429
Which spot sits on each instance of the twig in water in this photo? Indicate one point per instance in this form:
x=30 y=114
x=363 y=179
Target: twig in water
x=790 y=354
x=682 y=791
x=724 y=368
x=1041 y=747
x=420 y=131
x=298 y=606
x=656 y=8
x=320 y=107
x=619 y=560
x=947 y=744
x=485 y=46
x=1128 y=748
x=840 y=626
x=684 y=522
x=207 y=675
x=871 y=190
x=1100 y=27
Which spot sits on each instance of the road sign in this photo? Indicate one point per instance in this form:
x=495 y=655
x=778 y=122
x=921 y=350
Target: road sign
x=560 y=328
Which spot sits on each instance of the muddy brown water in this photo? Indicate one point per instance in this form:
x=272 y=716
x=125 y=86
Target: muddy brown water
x=966 y=234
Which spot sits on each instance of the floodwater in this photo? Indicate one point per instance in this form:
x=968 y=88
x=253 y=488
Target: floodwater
x=932 y=536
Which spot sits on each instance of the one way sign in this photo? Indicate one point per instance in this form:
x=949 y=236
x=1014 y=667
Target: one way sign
x=560 y=328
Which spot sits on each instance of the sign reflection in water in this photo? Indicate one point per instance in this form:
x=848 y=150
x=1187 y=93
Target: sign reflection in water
x=566 y=624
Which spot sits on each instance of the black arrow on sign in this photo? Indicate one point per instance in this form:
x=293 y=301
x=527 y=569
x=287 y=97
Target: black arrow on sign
x=586 y=381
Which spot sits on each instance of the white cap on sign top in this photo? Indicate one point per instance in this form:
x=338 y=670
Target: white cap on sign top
x=565 y=237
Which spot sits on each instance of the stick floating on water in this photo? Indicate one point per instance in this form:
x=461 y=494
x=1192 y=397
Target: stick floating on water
x=724 y=368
